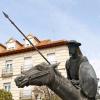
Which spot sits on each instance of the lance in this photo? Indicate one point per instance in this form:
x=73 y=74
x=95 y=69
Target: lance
x=26 y=37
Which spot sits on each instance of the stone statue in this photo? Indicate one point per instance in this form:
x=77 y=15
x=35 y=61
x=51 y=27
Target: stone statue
x=78 y=69
x=44 y=74
x=73 y=64
x=80 y=72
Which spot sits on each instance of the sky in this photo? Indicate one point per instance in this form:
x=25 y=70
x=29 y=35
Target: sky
x=56 y=20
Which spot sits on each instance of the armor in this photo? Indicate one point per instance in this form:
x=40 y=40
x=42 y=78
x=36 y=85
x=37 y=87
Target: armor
x=80 y=70
x=72 y=67
x=87 y=79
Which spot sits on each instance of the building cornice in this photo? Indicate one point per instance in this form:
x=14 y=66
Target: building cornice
x=39 y=46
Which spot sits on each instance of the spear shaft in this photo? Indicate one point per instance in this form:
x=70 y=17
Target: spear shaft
x=26 y=37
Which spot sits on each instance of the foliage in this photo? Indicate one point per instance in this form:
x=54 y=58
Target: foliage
x=4 y=95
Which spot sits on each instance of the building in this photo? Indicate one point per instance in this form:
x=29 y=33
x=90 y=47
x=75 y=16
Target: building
x=16 y=57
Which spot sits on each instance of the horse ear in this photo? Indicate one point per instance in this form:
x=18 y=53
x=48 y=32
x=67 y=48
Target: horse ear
x=55 y=65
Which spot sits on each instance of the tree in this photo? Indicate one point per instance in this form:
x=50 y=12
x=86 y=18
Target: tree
x=45 y=93
x=4 y=95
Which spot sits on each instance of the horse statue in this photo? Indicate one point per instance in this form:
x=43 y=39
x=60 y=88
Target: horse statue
x=44 y=74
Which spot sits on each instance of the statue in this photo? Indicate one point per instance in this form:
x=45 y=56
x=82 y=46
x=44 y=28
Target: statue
x=80 y=72
x=44 y=74
x=73 y=64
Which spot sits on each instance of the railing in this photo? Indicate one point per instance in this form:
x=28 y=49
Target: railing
x=7 y=72
x=25 y=95
x=26 y=67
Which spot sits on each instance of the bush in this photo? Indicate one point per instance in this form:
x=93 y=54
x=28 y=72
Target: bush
x=4 y=95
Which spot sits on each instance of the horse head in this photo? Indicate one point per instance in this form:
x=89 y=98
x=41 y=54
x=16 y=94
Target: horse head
x=41 y=74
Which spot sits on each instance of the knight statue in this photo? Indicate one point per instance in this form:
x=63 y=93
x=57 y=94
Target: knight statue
x=80 y=72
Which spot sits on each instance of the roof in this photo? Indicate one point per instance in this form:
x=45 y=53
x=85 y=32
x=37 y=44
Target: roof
x=2 y=45
x=33 y=37
x=18 y=43
x=42 y=45
x=14 y=41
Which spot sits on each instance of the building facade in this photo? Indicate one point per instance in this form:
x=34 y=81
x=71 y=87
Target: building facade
x=16 y=57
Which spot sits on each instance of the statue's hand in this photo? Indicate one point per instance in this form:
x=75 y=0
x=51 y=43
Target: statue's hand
x=75 y=82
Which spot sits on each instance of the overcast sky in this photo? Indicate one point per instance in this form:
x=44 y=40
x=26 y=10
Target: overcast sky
x=55 y=19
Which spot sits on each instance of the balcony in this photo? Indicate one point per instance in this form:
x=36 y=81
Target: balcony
x=26 y=67
x=7 y=72
x=25 y=95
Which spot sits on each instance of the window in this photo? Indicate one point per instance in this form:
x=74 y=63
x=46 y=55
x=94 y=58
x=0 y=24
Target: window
x=27 y=44
x=7 y=86
x=11 y=46
x=27 y=63
x=8 y=67
x=51 y=57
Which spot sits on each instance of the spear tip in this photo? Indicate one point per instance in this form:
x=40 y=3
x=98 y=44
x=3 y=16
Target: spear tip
x=5 y=14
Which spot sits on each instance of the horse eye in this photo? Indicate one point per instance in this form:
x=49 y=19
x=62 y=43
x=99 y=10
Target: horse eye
x=21 y=78
x=39 y=68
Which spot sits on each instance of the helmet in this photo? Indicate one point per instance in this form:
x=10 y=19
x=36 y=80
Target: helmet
x=73 y=42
